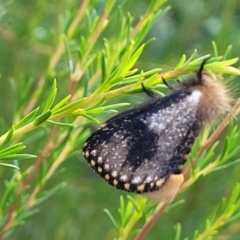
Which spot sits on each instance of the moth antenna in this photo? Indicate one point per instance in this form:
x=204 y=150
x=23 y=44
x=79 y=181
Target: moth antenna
x=165 y=82
x=200 y=70
x=179 y=81
x=148 y=92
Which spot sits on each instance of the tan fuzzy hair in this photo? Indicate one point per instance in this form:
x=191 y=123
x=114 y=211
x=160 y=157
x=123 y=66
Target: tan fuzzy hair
x=216 y=97
x=215 y=100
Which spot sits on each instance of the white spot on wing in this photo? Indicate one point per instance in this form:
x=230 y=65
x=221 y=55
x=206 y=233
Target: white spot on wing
x=106 y=166
x=195 y=96
x=124 y=178
x=149 y=179
x=136 y=180
x=114 y=173
x=99 y=160
x=93 y=152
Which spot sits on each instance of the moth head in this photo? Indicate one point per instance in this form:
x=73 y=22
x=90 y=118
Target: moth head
x=215 y=96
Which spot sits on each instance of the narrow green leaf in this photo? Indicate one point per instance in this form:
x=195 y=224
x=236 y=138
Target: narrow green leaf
x=114 y=82
x=117 y=105
x=234 y=151
x=103 y=67
x=149 y=41
x=215 y=50
x=135 y=77
x=233 y=199
x=8 y=137
x=133 y=202
x=127 y=63
x=18 y=157
x=25 y=215
x=27 y=119
x=178 y=230
x=42 y=118
x=9 y=193
x=131 y=72
x=61 y=124
x=206 y=158
x=61 y=103
x=228 y=52
x=234 y=218
x=158 y=93
x=98 y=104
x=69 y=106
x=92 y=119
x=68 y=53
x=226 y=69
x=9 y=165
x=51 y=97
x=111 y=218
x=198 y=61
x=191 y=57
x=95 y=111
x=225 y=62
x=135 y=57
x=12 y=149
x=154 y=80
x=181 y=61
x=224 y=166
x=175 y=204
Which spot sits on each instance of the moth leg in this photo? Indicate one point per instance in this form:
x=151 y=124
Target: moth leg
x=169 y=190
x=148 y=92
x=179 y=81
x=165 y=82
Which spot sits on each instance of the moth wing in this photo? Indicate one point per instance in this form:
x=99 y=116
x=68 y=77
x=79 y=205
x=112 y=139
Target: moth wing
x=141 y=148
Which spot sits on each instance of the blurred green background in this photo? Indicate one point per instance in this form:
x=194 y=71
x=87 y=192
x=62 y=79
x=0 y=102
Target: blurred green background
x=29 y=33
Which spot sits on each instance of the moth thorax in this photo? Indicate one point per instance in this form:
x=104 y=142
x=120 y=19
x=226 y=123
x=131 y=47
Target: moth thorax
x=215 y=99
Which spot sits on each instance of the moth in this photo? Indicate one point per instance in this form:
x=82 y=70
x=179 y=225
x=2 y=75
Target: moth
x=143 y=149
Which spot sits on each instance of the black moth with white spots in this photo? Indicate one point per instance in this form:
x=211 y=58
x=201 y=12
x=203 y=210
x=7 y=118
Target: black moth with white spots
x=138 y=150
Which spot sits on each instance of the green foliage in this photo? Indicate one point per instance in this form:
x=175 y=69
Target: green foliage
x=75 y=65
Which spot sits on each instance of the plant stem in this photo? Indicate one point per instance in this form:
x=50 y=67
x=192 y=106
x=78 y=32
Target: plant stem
x=154 y=218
